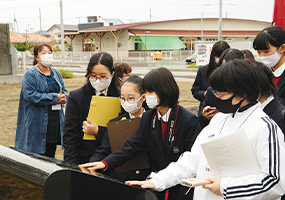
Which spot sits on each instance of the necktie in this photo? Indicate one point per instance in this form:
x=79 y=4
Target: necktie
x=163 y=127
x=102 y=94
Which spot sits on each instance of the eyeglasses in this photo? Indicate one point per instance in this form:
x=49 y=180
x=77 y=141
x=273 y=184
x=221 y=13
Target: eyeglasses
x=219 y=95
x=130 y=99
x=102 y=79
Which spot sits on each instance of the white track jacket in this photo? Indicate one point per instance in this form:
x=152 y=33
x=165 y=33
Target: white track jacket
x=267 y=141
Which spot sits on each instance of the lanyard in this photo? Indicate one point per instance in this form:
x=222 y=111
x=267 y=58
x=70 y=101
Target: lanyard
x=51 y=83
x=170 y=126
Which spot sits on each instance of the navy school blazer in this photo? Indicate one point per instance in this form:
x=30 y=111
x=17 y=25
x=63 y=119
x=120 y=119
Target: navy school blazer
x=274 y=110
x=76 y=150
x=186 y=130
x=281 y=88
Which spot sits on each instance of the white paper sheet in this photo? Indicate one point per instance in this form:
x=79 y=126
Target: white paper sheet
x=231 y=156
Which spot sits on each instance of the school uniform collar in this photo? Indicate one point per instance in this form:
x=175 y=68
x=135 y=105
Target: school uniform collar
x=104 y=92
x=266 y=102
x=165 y=117
x=132 y=117
x=278 y=72
x=247 y=106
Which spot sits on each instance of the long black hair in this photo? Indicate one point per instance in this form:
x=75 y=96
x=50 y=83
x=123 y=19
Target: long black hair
x=217 y=50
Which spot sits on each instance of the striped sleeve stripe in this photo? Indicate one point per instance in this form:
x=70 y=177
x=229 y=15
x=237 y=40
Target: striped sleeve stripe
x=274 y=175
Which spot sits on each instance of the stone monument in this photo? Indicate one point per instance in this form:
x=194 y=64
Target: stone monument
x=8 y=58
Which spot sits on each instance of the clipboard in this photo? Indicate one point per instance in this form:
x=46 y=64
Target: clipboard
x=102 y=110
x=121 y=131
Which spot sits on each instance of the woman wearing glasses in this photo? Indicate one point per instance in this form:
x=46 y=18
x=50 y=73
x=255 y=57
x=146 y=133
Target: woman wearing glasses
x=166 y=131
x=99 y=82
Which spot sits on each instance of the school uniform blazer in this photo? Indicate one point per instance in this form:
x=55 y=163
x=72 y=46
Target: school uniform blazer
x=281 y=88
x=77 y=150
x=274 y=110
x=200 y=84
x=208 y=101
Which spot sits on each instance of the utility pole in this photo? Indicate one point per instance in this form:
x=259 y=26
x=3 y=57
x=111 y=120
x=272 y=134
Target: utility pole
x=202 y=30
x=62 y=35
x=40 y=21
x=79 y=19
x=220 y=21
x=14 y=23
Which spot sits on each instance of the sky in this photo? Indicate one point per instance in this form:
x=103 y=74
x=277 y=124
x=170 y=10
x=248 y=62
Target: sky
x=27 y=12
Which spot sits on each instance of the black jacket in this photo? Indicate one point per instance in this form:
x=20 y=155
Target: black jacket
x=281 y=88
x=186 y=130
x=208 y=101
x=77 y=150
x=274 y=110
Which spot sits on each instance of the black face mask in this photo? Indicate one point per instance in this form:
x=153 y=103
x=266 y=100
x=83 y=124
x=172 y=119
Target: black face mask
x=225 y=106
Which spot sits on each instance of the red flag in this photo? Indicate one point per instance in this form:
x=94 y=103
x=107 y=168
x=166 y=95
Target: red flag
x=279 y=14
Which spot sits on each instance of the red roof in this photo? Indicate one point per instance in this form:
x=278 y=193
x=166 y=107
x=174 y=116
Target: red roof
x=29 y=37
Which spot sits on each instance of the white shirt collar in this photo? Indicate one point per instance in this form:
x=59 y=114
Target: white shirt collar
x=104 y=92
x=278 y=72
x=131 y=116
x=267 y=101
x=165 y=117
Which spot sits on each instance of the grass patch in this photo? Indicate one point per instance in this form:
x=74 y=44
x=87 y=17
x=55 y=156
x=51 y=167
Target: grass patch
x=66 y=74
x=192 y=65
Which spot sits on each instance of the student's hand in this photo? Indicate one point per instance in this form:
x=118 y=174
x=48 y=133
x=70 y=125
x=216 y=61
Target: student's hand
x=208 y=114
x=61 y=98
x=90 y=127
x=214 y=186
x=90 y=168
x=143 y=184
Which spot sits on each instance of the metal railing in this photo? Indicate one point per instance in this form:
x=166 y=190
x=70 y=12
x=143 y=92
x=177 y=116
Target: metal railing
x=138 y=56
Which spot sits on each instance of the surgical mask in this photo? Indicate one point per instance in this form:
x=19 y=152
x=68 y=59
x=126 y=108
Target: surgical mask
x=151 y=101
x=98 y=85
x=131 y=107
x=226 y=106
x=217 y=60
x=46 y=59
x=271 y=61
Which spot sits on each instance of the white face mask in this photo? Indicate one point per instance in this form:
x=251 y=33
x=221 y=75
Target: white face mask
x=151 y=101
x=46 y=59
x=131 y=107
x=98 y=85
x=271 y=61
x=217 y=60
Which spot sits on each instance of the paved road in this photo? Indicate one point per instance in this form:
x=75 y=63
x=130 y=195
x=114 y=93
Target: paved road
x=178 y=68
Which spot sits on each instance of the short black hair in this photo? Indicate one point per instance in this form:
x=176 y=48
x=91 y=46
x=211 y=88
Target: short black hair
x=137 y=81
x=237 y=76
x=273 y=35
x=247 y=54
x=217 y=50
x=230 y=54
x=267 y=86
x=162 y=82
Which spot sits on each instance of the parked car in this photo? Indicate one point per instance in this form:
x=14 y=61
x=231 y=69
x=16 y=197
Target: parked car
x=191 y=59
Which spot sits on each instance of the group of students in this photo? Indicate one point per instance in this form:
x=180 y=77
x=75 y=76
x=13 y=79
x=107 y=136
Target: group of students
x=233 y=83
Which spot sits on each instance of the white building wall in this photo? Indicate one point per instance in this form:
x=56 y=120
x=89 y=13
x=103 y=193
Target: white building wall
x=77 y=43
